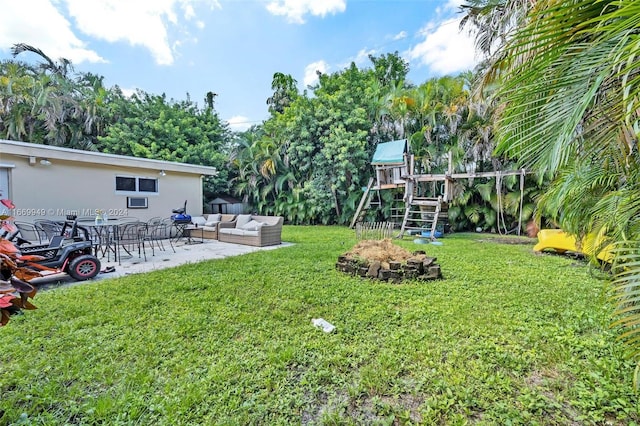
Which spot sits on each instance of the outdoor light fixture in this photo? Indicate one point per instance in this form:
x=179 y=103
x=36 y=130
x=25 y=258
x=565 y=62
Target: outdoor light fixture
x=163 y=173
x=45 y=162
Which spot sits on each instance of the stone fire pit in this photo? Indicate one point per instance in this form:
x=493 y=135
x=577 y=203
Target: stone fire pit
x=383 y=260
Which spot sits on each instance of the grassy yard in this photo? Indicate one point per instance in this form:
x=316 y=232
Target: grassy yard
x=508 y=337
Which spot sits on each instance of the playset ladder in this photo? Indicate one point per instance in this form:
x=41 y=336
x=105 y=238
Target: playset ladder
x=421 y=214
x=397 y=211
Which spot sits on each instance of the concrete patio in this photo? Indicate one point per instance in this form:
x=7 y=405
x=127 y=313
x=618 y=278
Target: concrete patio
x=185 y=253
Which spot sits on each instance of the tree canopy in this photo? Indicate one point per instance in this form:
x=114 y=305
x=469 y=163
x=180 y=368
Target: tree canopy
x=50 y=103
x=307 y=162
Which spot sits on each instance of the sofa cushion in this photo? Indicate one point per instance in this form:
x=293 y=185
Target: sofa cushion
x=239 y=232
x=242 y=220
x=244 y=232
x=217 y=217
x=252 y=225
x=212 y=223
x=198 y=220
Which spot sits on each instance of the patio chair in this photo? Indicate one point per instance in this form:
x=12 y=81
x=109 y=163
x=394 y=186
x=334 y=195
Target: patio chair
x=49 y=228
x=130 y=236
x=159 y=231
x=29 y=231
x=154 y=220
x=127 y=219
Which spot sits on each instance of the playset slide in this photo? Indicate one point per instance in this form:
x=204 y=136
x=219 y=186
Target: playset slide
x=562 y=242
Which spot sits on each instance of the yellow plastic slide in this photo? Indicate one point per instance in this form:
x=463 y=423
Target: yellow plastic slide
x=561 y=242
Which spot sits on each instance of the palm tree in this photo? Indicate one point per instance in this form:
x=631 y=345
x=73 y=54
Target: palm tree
x=494 y=21
x=17 y=87
x=67 y=109
x=437 y=110
x=569 y=90
x=61 y=68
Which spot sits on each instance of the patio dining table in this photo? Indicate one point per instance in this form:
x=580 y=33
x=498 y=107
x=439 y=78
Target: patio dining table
x=106 y=233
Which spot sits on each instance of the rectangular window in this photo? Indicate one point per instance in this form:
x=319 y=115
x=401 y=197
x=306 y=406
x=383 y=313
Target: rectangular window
x=125 y=183
x=147 y=185
x=136 y=184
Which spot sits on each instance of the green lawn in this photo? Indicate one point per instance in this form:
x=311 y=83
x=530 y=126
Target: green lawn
x=507 y=337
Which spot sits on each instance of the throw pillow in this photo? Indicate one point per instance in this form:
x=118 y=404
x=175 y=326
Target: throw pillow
x=242 y=219
x=198 y=220
x=217 y=217
x=252 y=225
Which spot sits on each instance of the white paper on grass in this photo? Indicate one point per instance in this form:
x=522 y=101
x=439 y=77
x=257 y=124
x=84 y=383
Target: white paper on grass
x=326 y=326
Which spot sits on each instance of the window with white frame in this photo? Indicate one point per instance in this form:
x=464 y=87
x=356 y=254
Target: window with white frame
x=140 y=185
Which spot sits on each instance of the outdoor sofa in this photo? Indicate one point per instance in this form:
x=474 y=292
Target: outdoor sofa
x=253 y=230
x=209 y=224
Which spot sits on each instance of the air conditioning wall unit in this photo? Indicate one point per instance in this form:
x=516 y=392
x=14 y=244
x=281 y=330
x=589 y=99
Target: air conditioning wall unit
x=137 y=203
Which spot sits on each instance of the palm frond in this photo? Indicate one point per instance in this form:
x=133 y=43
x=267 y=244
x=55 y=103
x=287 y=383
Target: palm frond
x=626 y=287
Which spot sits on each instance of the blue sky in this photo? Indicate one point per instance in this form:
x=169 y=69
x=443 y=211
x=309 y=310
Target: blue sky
x=233 y=47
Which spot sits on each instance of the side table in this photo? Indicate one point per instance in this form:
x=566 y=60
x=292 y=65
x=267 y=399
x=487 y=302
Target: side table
x=180 y=230
x=194 y=231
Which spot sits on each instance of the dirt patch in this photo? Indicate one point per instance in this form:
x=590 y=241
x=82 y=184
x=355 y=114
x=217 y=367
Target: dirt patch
x=367 y=409
x=545 y=382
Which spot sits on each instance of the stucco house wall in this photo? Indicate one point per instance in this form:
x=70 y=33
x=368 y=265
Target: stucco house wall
x=51 y=182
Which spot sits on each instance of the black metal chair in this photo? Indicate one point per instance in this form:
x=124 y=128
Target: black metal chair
x=158 y=231
x=30 y=232
x=130 y=236
x=154 y=220
x=49 y=228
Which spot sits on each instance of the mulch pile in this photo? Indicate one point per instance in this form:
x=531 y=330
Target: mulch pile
x=383 y=251
x=383 y=260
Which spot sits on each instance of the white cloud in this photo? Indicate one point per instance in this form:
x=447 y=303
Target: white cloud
x=310 y=72
x=363 y=56
x=42 y=24
x=400 y=36
x=451 y=6
x=189 y=12
x=136 y=22
x=38 y=23
x=127 y=92
x=445 y=50
x=239 y=123
x=140 y=23
x=295 y=10
x=361 y=59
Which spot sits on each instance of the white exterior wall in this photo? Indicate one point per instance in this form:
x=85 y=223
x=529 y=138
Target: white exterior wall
x=78 y=187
